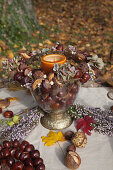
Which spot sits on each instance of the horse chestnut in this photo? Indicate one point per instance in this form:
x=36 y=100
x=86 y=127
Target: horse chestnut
x=8 y=114
x=72 y=160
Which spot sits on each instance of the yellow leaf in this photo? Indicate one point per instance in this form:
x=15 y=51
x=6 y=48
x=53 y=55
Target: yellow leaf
x=47 y=42
x=13 y=98
x=23 y=48
x=1 y=61
x=9 y=54
x=41 y=23
x=40 y=44
x=16 y=46
x=25 y=55
x=52 y=138
x=3 y=45
x=61 y=136
x=33 y=45
x=0 y=49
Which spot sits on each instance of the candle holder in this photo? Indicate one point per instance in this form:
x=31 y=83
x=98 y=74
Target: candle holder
x=48 y=61
x=55 y=102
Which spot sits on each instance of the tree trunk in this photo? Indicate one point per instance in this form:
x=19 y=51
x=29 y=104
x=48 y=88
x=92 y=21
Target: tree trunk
x=17 y=20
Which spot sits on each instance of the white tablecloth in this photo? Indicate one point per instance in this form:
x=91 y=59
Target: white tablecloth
x=98 y=153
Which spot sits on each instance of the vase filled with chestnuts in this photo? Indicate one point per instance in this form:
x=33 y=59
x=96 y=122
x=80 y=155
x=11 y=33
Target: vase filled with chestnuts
x=54 y=93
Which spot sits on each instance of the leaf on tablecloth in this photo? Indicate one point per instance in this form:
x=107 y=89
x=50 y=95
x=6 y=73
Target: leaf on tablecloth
x=15 y=120
x=52 y=138
x=85 y=124
x=13 y=98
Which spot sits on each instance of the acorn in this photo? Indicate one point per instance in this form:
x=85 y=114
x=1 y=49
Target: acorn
x=72 y=160
x=79 y=139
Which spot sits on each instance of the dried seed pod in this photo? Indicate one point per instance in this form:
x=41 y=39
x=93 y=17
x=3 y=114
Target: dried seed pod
x=4 y=103
x=36 y=83
x=72 y=160
x=79 y=139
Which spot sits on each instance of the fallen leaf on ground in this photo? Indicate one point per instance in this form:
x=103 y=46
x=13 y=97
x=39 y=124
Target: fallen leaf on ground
x=25 y=55
x=10 y=54
x=3 y=45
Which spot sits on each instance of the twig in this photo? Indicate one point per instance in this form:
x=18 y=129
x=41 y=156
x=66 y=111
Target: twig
x=60 y=148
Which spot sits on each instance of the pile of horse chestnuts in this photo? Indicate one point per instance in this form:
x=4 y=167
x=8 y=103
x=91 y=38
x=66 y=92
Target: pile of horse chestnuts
x=20 y=156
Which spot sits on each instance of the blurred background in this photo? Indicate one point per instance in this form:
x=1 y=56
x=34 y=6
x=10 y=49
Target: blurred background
x=33 y=24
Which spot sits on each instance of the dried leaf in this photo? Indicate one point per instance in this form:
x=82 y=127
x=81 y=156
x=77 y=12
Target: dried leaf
x=13 y=98
x=47 y=42
x=9 y=54
x=16 y=46
x=3 y=45
x=25 y=55
x=1 y=61
x=52 y=138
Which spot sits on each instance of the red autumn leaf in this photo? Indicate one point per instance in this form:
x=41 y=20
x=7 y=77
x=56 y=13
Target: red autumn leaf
x=84 y=124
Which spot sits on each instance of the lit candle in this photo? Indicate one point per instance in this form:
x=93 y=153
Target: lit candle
x=48 y=61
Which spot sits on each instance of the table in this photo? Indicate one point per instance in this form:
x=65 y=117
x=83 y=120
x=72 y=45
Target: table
x=98 y=153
